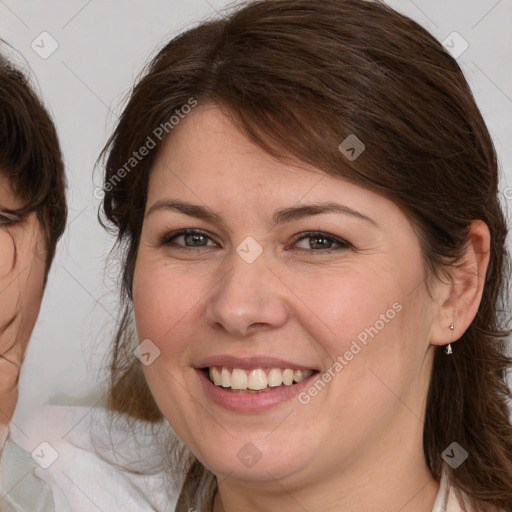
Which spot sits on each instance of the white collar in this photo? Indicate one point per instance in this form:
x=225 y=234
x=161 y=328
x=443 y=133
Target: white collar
x=446 y=501
x=442 y=495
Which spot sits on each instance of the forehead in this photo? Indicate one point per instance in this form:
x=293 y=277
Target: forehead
x=206 y=139
x=207 y=159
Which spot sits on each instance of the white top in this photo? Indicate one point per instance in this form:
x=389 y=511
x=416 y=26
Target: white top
x=65 y=465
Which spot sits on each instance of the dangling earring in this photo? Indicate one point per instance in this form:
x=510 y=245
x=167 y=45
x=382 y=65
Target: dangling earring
x=448 y=348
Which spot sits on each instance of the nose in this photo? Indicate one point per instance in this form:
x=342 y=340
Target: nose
x=248 y=298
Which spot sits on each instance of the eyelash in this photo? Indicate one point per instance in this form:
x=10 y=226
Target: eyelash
x=169 y=238
x=7 y=218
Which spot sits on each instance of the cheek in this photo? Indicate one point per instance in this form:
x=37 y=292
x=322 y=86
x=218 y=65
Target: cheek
x=22 y=286
x=376 y=341
x=346 y=306
x=370 y=326
x=6 y=254
x=163 y=301
x=30 y=284
x=22 y=268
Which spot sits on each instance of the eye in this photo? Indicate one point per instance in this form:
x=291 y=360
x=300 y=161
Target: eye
x=8 y=218
x=188 y=238
x=310 y=241
x=319 y=241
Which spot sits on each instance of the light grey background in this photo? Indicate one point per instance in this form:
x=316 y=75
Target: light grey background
x=102 y=45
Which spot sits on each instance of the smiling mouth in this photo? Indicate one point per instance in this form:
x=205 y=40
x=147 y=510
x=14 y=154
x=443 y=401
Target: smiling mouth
x=258 y=380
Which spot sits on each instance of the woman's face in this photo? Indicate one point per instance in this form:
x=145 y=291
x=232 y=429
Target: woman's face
x=285 y=268
x=22 y=273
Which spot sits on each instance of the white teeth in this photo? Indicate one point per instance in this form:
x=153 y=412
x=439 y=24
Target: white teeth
x=288 y=377
x=215 y=376
x=257 y=379
x=306 y=374
x=274 y=378
x=239 y=379
x=225 y=377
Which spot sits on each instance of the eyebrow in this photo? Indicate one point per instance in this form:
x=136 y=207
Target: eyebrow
x=293 y=213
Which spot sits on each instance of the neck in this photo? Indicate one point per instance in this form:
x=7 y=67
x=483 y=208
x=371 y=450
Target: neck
x=392 y=481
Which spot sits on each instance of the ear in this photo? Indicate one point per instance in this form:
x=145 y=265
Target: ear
x=459 y=297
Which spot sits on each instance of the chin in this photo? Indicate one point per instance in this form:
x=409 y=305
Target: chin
x=252 y=460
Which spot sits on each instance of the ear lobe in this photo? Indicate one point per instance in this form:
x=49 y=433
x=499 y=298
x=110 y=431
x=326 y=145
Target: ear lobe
x=461 y=295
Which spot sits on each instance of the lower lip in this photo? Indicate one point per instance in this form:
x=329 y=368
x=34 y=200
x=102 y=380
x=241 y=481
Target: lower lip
x=251 y=402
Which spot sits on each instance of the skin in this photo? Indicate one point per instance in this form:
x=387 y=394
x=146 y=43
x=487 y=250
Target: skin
x=355 y=446
x=21 y=292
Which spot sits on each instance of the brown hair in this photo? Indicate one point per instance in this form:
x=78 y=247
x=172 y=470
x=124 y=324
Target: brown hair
x=298 y=77
x=30 y=155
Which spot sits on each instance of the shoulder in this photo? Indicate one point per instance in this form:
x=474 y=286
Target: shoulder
x=87 y=458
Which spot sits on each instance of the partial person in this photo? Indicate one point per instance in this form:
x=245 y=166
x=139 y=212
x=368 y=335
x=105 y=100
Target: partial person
x=314 y=271
x=32 y=219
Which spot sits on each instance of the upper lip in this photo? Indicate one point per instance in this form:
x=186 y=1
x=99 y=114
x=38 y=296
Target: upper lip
x=249 y=363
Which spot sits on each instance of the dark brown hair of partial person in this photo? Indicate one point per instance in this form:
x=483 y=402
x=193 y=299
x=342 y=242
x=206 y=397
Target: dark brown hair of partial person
x=30 y=156
x=297 y=77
